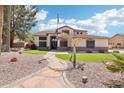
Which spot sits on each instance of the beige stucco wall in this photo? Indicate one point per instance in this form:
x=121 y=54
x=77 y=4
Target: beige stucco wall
x=98 y=43
x=81 y=43
x=101 y=42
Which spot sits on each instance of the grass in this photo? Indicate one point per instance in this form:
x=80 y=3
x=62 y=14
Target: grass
x=87 y=57
x=35 y=51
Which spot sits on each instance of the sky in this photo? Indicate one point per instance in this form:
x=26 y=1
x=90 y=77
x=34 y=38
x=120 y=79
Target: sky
x=102 y=20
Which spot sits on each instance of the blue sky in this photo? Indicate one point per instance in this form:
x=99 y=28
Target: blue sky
x=105 y=20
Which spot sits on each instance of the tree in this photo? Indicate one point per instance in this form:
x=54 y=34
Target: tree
x=22 y=20
x=6 y=29
x=1 y=26
x=75 y=41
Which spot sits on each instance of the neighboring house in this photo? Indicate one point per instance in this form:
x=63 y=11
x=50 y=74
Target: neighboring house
x=117 y=41
x=49 y=40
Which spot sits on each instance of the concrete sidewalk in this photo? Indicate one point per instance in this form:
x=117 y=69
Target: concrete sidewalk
x=52 y=76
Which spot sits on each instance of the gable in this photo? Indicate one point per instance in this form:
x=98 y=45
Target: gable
x=67 y=29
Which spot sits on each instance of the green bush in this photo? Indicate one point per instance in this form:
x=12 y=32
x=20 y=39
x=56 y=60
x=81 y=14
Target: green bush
x=88 y=51
x=116 y=52
x=101 y=51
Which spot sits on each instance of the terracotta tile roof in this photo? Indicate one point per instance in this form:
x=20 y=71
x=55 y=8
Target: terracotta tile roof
x=79 y=30
x=44 y=33
x=52 y=31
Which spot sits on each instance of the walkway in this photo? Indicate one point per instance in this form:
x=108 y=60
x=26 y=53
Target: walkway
x=52 y=76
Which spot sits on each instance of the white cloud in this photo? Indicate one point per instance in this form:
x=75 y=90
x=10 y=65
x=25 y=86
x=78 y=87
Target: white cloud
x=54 y=21
x=41 y=15
x=70 y=21
x=97 y=24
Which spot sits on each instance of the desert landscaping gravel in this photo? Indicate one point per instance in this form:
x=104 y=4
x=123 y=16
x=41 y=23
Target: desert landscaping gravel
x=26 y=65
x=96 y=73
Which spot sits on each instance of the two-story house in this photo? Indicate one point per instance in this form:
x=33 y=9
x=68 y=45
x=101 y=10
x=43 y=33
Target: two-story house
x=116 y=41
x=54 y=40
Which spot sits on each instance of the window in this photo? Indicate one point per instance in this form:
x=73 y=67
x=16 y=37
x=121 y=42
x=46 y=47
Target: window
x=42 y=38
x=65 y=31
x=90 y=43
x=63 y=43
x=118 y=43
x=77 y=32
x=42 y=44
x=80 y=32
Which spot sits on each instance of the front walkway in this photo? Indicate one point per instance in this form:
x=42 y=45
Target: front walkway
x=52 y=76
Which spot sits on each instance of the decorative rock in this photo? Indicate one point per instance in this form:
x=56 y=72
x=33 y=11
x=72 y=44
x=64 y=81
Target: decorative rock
x=84 y=79
x=82 y=68
x=13 y=59
x=20 y=52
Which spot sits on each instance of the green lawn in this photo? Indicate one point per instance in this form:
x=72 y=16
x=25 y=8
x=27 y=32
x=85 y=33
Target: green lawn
x=87 y=57
x=35 y=51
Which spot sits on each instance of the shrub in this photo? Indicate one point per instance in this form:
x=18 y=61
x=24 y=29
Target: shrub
x=88 y=51
x=101 y=51
x=33 y=46
x=116 y=52
x=30 y=46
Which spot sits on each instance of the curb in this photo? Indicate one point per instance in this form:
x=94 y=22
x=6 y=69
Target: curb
x=67 y=81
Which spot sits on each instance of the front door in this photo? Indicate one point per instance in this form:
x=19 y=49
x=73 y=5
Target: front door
x=53 y=43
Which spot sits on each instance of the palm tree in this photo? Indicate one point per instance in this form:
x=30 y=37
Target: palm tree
x=1 y=26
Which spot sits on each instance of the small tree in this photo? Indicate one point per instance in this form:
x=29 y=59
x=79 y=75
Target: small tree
x=117 y=65
x=75 y=41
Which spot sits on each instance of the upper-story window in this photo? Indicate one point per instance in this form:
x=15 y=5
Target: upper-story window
x=77 y=33
x=65 y=31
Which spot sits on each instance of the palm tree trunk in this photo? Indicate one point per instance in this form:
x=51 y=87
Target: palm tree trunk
x=1 y=26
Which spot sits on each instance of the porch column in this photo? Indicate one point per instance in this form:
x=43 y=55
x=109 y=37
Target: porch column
x=58 y=43
x=48 y=41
